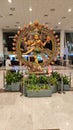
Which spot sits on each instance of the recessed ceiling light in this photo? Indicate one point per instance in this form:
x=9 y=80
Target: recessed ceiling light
x=52 y=9
x=15 y=25
x=30 y=22
x=69 y=10
x=30 y=9
x=10 y=14
x=45 y=15
x=59 y=23
x=12 y=9
x=10 y=1
x=63 y=17
x=17 y=22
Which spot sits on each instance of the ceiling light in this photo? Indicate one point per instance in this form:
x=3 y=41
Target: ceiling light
x=52 y=9
x=63 y=17
x=15 y=25
x=59 y=23
x=30 y=22
x=12 y=9
x=10 y=1
x=45 y=15
x=69 y=10
x=10 y=14
x=30 y=9
x=17 y=22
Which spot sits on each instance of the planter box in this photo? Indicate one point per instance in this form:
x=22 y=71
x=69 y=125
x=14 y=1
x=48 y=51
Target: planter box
x=16 y=86
x=40 y=93
x=8 y=87
x=13 y=87
x=66 y=87
x=54 y=89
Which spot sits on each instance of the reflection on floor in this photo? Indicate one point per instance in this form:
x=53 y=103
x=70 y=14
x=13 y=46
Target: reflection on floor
x=22 y=113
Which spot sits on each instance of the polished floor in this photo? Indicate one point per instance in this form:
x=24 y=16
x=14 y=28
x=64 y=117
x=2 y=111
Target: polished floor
x=22 y=113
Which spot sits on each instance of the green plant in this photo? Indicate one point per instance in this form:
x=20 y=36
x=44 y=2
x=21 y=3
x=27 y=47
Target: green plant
x=13 y=77
x=37 y=87
x=53 y=81
x=56 y=75
x=42 y=79
x=66 y=80
x=9 y=77
x=32 y=79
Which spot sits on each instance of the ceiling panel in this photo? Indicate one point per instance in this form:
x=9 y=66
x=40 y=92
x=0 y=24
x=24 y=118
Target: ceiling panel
x=40 y=8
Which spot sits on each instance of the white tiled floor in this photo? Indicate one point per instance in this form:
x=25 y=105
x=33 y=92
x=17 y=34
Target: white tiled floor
x=22 y=113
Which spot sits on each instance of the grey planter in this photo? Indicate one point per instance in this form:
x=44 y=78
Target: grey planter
x=66 y=87
x=13 y=87
x=40 y=93
x=8 y=87
x=54 y=89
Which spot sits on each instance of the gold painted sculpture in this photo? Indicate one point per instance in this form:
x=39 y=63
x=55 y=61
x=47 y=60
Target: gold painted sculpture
x=36 y=40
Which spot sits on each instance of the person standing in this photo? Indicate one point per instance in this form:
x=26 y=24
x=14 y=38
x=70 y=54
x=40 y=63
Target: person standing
x=8 y=63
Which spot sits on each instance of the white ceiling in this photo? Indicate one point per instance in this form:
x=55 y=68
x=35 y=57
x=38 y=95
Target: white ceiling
x=39 y=9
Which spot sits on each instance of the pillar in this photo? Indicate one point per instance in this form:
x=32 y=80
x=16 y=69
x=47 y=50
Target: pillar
x=62 y=43
x=1 y=43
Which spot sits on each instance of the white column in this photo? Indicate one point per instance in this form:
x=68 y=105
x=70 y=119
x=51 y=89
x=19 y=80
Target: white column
x=62 y=43
x=1 y=42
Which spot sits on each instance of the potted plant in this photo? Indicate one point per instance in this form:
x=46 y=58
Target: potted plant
x=53 y=83
x=66 y=83
x=37 y=86
x=13 y=80
x=38 y=90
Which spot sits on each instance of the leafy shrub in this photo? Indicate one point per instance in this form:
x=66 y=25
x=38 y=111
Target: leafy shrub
x=37 y=87
x=56 y=75
x=53 y=81
x=66 y=80
x=42 y=79
x=13 y=77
